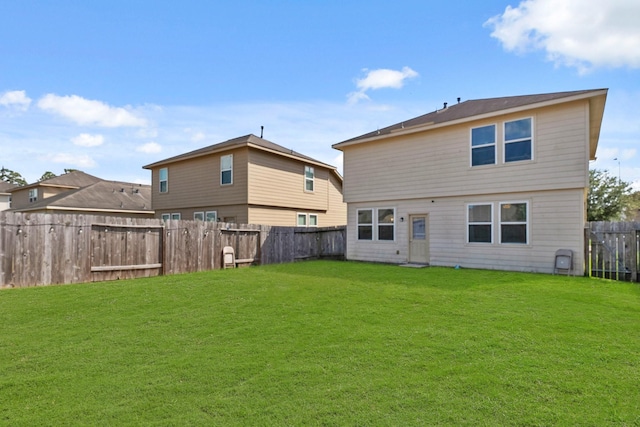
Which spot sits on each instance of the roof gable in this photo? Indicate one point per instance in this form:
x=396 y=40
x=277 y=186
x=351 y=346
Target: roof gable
x=75 y=179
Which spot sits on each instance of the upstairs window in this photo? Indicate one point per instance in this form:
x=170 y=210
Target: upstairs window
x=517 y=140
x=226 y=169
x=308 y=178
x=33 y=195
x=479 y=223
x=483 y=145
x=514 y=223
x=163 y=178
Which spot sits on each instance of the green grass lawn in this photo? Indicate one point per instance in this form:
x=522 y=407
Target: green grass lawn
x=323 y=343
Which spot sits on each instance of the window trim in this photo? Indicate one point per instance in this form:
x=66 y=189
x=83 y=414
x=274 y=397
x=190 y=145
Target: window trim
x=215 y=216
x=176 y=216
x=309 y=180
x=505 y=142
x=33 y=195
x=303 y=216
x=375 y=224
x=371 y=224
x=526 y=223
x=494 y=144
x=313 y=216
x=230 y=169
x=198 y=214
x=490 y=222
x=166 y=180
x=165 y=216
x=386 y=224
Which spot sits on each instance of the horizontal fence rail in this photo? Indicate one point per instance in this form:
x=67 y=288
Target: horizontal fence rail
x=45 y=249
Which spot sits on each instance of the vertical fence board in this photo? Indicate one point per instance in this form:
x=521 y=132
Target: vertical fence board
x=613 y=250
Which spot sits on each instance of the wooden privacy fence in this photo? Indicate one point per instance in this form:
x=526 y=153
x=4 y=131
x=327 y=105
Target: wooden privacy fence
x=612 y=250
x=44 y=249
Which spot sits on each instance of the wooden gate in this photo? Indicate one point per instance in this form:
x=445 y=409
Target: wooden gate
x=613 y=250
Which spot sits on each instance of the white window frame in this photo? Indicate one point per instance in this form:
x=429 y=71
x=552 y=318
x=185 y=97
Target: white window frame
x=526 y=223
x=176 y=216
x=165 y=216
x=198 y=216
x=224 y=169
x=311 y=216
x=494 y=145
x=371 y=224
x=309 y=180
x=489 y=223
x=376 y=224
x=386 y=224
x=505 y=142
x=211 y=216
x=165 y=180
x=33 y=195
x=302 y=216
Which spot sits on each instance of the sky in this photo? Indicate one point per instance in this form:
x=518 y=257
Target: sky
x=110 y=86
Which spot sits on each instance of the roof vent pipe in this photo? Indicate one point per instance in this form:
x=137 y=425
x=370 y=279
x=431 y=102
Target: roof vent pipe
x=445 y=105
x=261 y=131
x=458 y=100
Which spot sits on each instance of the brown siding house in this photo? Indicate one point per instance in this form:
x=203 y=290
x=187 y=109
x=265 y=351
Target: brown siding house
x=248 y=180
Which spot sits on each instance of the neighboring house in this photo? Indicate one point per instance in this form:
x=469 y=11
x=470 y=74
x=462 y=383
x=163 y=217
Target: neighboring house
x=491 y=183
x=5 y=195
x=248 y=180
x=79 y=192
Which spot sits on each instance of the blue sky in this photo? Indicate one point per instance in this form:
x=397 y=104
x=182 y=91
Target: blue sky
x=110 y=86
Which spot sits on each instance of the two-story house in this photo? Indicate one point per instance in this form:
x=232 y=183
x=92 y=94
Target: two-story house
x=79 y=192
x=490 y=183
x=248 y=180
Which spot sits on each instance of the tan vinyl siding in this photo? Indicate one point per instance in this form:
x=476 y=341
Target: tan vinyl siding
x=279 y=181
x=437 y=163
x=556 y=221
x=195 y=183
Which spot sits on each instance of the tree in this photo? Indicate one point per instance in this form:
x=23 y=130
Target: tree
x=608 y=196
x=11 y=177
x=47 y=175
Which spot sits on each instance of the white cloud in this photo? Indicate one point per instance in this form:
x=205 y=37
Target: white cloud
x=575 y=33
x=79 y=161
x=384 y=78
x=149 y=148
x=89 y=112
x=15 y=99
x=380 y=79
x=88 y=140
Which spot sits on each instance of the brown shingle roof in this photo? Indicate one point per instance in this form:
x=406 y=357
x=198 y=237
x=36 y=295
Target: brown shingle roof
x=75 y=179
x=471 y=109
x=112 y=196
x=242 y=141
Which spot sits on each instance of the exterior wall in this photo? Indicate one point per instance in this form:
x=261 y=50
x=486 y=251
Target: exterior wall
x=5 y=202
x=437 y=163
x=195 y=183
x=556 y=221
x=21 y=197
x=337 y=211
x=279 y=181
x=239 y=212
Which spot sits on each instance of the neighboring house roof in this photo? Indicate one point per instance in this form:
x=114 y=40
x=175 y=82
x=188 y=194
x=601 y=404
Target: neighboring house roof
x=484 y=108
x=75 y=179
x=5 y=187
x=103 y=196
x=251 y=141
